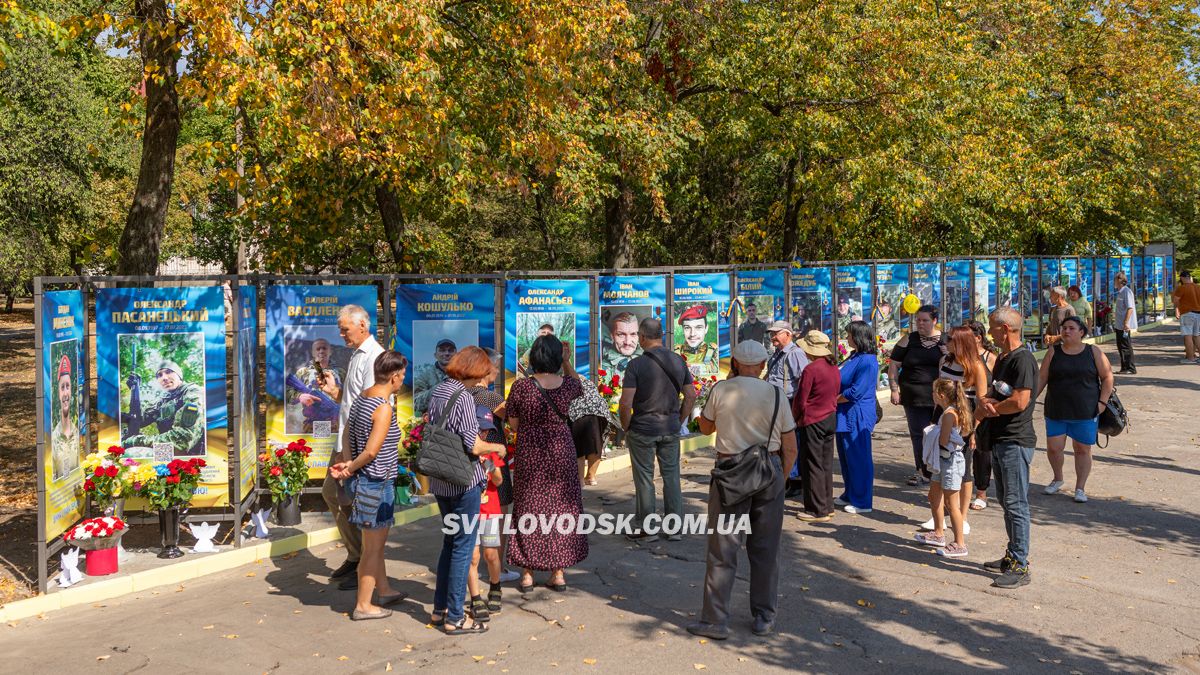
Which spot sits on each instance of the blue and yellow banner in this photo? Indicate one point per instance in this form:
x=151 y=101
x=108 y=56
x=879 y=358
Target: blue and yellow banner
x=812 y=300
x=761 y=299
x=957 y=290
x=1008 y=286
x=700 y=306
x=434 y=322
x=624 y=302
x=534 y=307
x=160 y=354
x=303 y=341
x=892 y=284
x=986 y=280
x=854 y=298
x=247 y=364
x=927 y=285
x=64 y=417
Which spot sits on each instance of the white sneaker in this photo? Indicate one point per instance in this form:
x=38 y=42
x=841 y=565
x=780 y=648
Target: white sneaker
x=838 y=501
x=508 y=576
x=1053 y=487
x=966 y=528
x=1080 y=496
x=850 y=508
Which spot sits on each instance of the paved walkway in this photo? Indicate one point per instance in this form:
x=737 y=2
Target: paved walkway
x=1114 y=586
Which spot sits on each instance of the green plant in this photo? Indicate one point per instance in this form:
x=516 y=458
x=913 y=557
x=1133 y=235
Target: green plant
x=285 y=470
x=173 y=484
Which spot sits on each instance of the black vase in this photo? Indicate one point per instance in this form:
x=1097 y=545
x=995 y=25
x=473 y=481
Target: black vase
x=168 y=532
x=287 y=512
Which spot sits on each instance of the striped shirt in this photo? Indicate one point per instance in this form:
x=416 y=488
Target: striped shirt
x=461 y=421
x=383 y=467
x=360 y=375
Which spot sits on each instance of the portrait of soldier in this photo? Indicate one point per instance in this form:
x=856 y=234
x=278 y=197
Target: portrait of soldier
x=523 y=361
x=430 y=375
x=847 y=311
x=886 y=325
x=621 y=344
x=64 y=437
x=701 y=355
x=802 y=323
x=309 y=376
x=174 y=417
x=754 y=329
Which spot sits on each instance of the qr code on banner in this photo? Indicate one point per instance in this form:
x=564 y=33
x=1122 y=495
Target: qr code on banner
x=164 y=452
x=322 y=428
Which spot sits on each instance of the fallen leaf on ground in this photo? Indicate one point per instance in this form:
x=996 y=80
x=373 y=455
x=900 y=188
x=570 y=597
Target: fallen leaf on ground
x=477 y=658
x=590 y=662
x=102 y=658
x=343 y=658
x=388 y=668
x=231 y=636
x=699 y=666
x=209 y=627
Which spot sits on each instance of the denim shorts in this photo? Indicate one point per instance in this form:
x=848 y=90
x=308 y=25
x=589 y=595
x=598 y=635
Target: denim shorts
x=954 y=468
x=1189 y=324
x=489 y=531
x=373 y=502
x=1083 y=431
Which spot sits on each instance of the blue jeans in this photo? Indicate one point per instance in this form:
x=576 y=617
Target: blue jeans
x=642 y=451
x=455 y=560
x=1010 y=465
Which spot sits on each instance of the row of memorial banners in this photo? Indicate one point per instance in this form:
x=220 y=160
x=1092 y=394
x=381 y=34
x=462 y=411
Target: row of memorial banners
x=161 y=352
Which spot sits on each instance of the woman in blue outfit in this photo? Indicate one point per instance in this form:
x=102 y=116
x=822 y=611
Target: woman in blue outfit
x=856 y=418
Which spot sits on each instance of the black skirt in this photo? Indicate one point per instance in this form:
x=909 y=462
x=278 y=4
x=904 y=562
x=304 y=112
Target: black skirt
x=588 y=433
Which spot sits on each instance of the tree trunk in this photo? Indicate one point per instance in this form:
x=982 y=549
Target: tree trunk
x=539 y=201
x=141 y=239
x=393 y=223
x=791 y=212
x=618 y=226
x=8 y=302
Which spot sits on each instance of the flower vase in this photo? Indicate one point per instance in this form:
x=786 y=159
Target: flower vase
x=287 y=512
x=168 y=532
x=116 y=508
x=101 y=561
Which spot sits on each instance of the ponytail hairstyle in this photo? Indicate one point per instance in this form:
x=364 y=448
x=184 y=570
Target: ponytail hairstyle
x=953 y=391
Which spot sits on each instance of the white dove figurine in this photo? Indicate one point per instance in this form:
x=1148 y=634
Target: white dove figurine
x=70 y=568
x=259 y=519
x=204 y=534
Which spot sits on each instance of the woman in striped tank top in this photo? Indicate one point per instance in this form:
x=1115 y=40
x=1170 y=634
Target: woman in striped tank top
x=373 y=438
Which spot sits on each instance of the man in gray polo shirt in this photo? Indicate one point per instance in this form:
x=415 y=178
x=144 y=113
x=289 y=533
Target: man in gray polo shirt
x=740 y=411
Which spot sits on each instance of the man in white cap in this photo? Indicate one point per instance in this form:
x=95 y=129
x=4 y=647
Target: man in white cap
x=746 y=412
x=783 y=371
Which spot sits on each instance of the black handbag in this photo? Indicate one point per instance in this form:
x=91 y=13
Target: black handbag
x=443 y=454
x=741 y=476
x=1113 y=419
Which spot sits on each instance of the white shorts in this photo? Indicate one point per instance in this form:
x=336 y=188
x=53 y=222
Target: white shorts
x=489 y=532
x=1189 y=324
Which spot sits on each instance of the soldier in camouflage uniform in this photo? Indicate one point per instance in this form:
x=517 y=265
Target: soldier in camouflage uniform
x=64 y=437
x=430 y=375
x=620 y=346
x=176 y=418
x=321 y=352
x=702 y=358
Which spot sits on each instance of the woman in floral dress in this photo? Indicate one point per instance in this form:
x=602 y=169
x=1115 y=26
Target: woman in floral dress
x=544 y=469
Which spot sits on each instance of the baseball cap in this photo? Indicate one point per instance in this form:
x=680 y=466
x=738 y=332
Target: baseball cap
x=777 y=326
x=749 y=352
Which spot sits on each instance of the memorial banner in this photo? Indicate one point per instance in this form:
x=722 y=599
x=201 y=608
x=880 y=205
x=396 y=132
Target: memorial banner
x=1009 y=284
x=760 y=300
x=624 y=302
x=1031 y=305
x=433 y=322
x=64 y=417
x=891 y=286
x=812 y=293
x=1102 y=285
x=1171 y=282
x=1138 y=281
x=986 y=280
x=1048 y=268
x=927 y=285
x=958 y=293
x=854 y=301
x=535 y=307
x=700 y=307
x=247 y=364
x=161 y=359
x=1158 y=284
x=1068 y=272
x=303 y=341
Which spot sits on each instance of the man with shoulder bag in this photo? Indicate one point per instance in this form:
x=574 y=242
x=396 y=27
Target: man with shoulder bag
x=754 y=427
x=652 y=414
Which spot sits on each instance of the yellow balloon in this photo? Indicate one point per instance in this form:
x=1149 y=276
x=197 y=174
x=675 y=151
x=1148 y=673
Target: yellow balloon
x=911 y=303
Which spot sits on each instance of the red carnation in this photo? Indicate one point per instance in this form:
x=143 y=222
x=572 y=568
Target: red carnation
x=119 y=525
x=201 y=463
x=300 y=442
x=280 y=452
x=276 y=470
x=172 y=479
x=89 y=485
x=98 y=472
x=113 y=471
x=116 y=450
x=616 y=380
x=602 y=372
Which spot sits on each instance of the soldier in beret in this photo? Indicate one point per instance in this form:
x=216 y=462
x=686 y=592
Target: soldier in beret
x=177 y=417
x=64 y=437
x=702 y=357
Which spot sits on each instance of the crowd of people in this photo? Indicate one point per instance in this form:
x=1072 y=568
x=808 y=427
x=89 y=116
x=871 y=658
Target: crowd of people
x=779 y=418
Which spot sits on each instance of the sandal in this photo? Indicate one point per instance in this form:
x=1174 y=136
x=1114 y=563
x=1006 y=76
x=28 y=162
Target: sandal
x=978 y=504
x=590 y=481
x=493 y=599
x=914 y=479
x=438 y=618
x=479 y=610
x=523 y=588
x=461 y=628
x=559 y=587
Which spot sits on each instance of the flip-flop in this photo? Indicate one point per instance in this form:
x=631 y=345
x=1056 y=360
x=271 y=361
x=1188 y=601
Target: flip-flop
x=367 y=616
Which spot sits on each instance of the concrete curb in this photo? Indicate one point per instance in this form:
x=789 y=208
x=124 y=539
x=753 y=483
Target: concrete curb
x=201 y=565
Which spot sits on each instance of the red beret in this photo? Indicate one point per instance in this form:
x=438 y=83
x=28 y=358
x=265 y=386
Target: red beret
x=64 y=366
x=693 y=312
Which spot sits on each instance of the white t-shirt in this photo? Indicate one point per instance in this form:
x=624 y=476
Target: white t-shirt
x=741 y=409
x=360 y=375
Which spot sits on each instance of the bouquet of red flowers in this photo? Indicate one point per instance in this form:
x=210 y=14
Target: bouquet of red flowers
x=610 y=389
x=95 y=534
x=414 y=433
x=285 y=470
x=106 y=475
x=173 y=483
x=704 y=387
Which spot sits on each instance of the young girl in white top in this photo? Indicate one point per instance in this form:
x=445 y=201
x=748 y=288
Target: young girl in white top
x=952 y=426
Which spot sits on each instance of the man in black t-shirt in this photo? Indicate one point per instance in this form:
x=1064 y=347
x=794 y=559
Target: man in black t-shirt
x=1007 y=424
x=652 y=414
